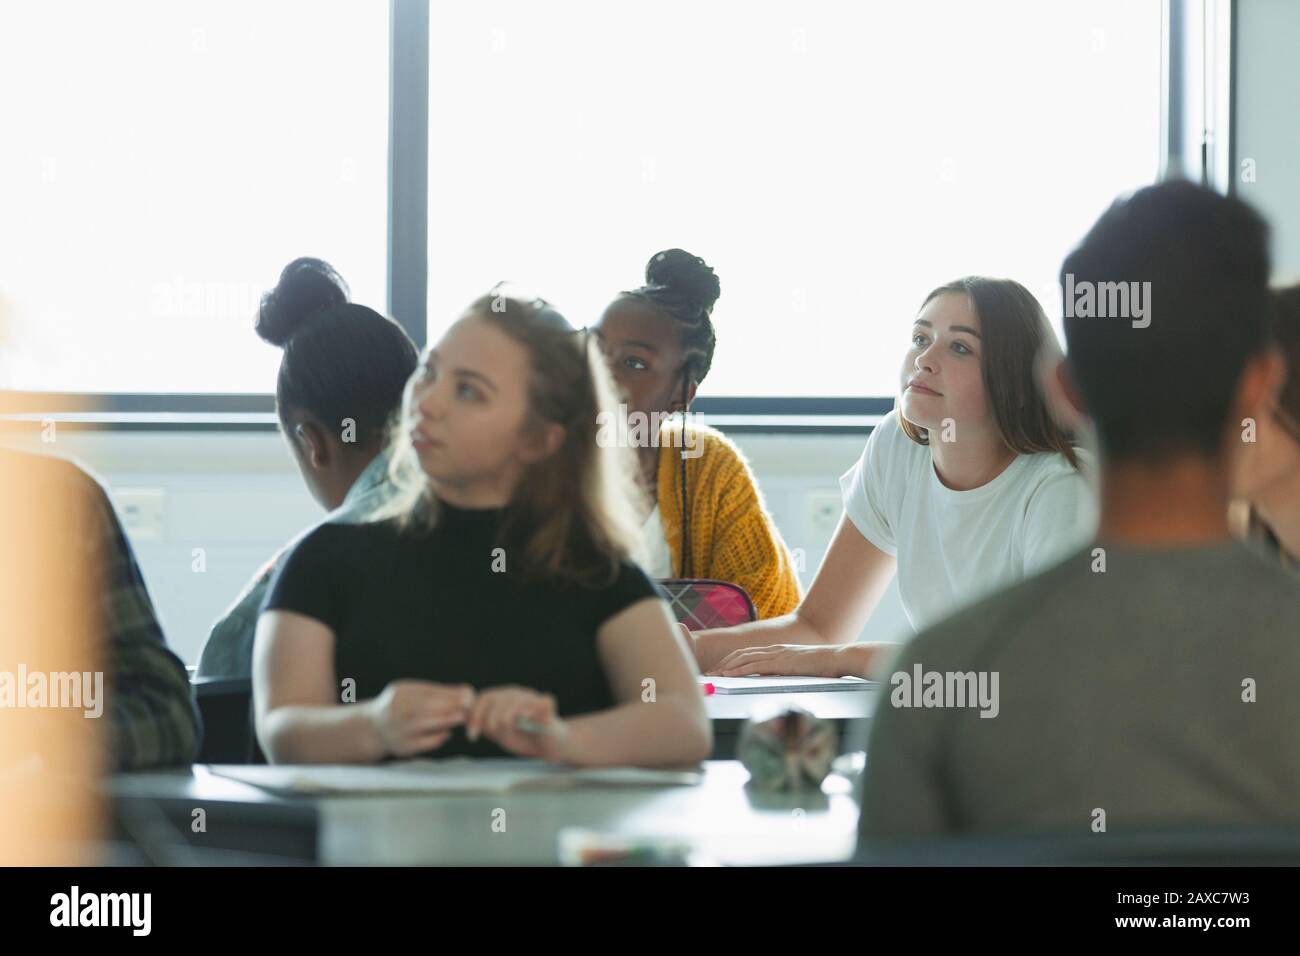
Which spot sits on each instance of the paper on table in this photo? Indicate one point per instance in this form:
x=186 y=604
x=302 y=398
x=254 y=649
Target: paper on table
x=765 y=684
x=453 y=776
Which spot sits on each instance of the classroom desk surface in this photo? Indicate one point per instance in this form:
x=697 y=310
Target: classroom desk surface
x=722 y=818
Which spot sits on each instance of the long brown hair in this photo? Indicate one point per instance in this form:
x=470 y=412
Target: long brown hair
x=572 y=516
x=1013 y=328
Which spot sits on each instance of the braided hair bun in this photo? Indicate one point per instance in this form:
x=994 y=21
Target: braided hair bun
x=307 y=287
x=685 y=278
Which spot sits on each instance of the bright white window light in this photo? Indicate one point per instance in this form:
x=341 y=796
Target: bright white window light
x=162 y=161
x=833 y=161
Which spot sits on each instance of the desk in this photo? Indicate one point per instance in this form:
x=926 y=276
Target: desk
x=227 y=737
x=727 y=821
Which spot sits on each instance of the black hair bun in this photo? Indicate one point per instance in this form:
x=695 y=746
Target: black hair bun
x=684 y=275
x=306 y=286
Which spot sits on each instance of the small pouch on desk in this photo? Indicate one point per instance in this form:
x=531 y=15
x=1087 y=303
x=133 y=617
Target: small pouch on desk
x=792 y=751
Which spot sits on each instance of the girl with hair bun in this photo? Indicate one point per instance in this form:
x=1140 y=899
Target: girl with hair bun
x=341 y=375
x=704 y=514
x=340 y=383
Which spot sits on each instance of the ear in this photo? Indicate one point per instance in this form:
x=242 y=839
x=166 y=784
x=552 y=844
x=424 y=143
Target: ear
x=1262 y=377
x=541 y=446
x=315 y=445
x=1060 y=391
x=1261 y=380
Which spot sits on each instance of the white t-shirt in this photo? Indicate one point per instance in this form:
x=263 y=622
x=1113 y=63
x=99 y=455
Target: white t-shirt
x=654 y=545
x=955 y=547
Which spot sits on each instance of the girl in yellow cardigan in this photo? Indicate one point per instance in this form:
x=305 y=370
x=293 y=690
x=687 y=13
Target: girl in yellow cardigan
x=659 y=340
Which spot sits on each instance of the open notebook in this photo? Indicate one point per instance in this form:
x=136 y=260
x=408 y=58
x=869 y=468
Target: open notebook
x=763 y=684
x=452 y=776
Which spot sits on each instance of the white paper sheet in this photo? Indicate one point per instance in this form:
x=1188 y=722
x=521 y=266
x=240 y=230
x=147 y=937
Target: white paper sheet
x=453 y=776
x=764 y=684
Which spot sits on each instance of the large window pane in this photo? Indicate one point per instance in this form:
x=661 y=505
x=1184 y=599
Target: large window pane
x=832 y=160
x=162 y=161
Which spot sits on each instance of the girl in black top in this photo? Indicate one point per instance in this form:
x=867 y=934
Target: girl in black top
x=492 y=606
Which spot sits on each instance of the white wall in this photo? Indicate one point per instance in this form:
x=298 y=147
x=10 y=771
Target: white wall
x=1268 y=121
x=238 y=497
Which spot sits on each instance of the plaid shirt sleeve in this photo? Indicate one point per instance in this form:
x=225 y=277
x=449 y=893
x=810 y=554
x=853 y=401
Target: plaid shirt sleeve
x=151 y=707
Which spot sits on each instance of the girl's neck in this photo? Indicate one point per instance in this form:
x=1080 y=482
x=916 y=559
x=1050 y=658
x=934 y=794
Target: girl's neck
x=350 y=469
x=648 y=459
x=476 y=495
x=971 y=463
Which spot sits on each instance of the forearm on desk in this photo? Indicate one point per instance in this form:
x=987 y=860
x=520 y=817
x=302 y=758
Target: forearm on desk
x=861 y=660
x=713 y=645
x=667 y=731
x=338 y=733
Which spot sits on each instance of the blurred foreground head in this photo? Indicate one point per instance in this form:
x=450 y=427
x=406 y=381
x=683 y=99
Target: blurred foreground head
x=50 y=757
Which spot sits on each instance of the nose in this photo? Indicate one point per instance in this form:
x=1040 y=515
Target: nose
x=925 y=359
x=427 y=401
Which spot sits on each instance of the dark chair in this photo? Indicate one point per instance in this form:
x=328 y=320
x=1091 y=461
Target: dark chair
x=226 y=706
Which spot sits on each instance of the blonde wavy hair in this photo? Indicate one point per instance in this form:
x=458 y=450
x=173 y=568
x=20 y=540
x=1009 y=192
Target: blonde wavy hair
x=573 y=516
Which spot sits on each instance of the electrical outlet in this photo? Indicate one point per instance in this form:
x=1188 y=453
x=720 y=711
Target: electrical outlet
x=822 y=511
x=143 y=512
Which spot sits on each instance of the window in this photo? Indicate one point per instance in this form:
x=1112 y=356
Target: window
x=162 y=162
x=833 y=161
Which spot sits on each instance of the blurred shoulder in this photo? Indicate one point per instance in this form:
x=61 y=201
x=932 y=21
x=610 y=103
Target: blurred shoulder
x=53 y=477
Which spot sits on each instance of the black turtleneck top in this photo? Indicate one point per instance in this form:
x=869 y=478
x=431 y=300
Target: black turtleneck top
x=427 y=605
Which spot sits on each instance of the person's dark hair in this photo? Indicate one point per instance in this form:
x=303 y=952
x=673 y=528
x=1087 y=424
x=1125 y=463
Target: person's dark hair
x=684 y=288
x=1165 y=389
x=1013 y=329
x=341 y=360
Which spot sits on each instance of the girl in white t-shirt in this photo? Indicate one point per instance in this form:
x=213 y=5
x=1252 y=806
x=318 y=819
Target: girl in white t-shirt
x=966 y=487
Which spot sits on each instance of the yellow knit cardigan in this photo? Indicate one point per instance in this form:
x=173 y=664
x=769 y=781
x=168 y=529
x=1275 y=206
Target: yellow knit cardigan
x=733 y=538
